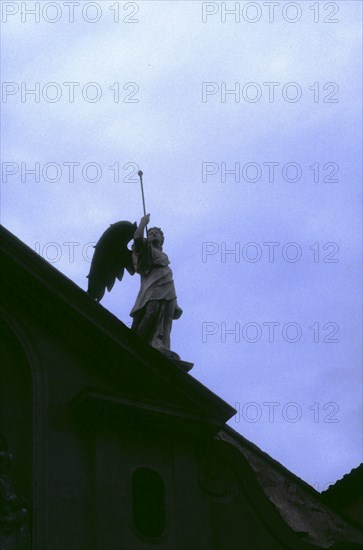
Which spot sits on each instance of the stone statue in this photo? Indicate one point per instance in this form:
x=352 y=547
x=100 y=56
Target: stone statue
x=156 y=305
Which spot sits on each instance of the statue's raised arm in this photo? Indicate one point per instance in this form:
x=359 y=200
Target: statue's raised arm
x=139 y=233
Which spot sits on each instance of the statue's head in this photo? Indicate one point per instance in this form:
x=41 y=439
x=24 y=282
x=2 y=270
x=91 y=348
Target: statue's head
x=155 y=235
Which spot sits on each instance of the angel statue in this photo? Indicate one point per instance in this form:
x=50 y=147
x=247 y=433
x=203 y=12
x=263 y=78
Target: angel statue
x=156 y=304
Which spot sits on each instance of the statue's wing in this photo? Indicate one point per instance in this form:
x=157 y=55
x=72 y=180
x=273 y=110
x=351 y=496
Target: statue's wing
x=110 y=258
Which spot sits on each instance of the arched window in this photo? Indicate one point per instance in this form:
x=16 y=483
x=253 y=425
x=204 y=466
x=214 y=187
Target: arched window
x=148 y=502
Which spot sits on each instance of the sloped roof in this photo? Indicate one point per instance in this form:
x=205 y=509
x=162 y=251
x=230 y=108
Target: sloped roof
x=303 y=508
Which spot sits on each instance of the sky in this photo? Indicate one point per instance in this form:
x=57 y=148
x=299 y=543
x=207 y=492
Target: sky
x=245 y=118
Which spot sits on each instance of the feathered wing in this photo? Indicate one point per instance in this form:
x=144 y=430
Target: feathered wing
x=110 y=259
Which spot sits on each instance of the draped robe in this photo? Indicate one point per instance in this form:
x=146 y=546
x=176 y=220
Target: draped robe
x=157 y=285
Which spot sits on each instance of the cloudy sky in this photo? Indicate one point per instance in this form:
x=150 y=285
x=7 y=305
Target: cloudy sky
x=247 y=128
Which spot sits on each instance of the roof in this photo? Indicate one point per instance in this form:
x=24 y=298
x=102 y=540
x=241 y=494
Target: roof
x=303 y=508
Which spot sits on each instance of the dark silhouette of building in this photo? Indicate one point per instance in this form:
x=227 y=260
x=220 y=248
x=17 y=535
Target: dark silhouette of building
x=346 y=496
x=116 y=447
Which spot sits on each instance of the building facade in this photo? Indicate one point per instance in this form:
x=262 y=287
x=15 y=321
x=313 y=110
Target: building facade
x=105 y=444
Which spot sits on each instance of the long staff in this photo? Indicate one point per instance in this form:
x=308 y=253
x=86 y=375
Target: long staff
x=140 y=174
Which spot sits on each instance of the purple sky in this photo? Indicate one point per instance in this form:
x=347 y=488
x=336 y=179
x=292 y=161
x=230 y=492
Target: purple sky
x=300 y=401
